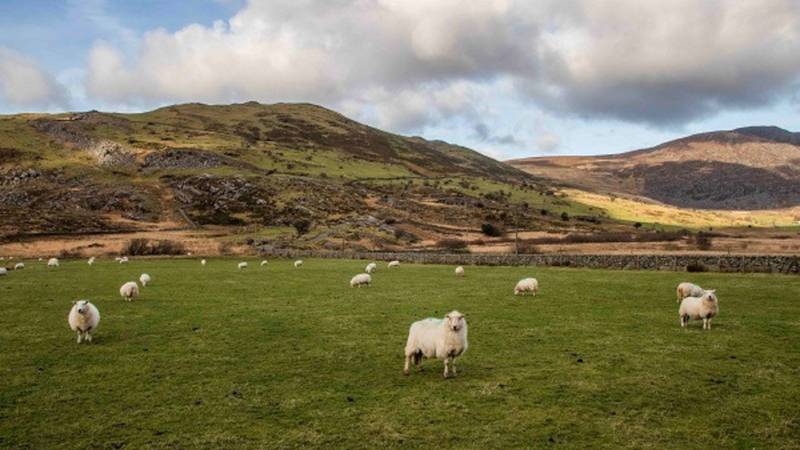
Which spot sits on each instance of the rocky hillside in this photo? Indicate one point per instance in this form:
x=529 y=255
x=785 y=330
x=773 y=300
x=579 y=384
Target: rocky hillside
x=742 y=169
x=252 y=165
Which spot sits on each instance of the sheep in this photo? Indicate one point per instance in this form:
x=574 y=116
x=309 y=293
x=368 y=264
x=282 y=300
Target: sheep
x=361 y=279
x=443 y=339
x=298 y=263
x=83 y=318
x=129 y=290
x=527 y=285
x=371 y=267
x=264 y=263
x=687 y=289
x=121 y=260
x=3 y=271
x=52 y=262
x=19 y=266
x=242 y=265
x=459 y=271
x=91 y=261
x=705 y=307
x=145 y=279
x=203 y=262
x=394 y=263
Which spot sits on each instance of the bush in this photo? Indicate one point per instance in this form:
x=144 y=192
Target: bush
x=565 y=216
x=702 y=241
x=302 y=226
x=456 y=245
x=491 y=230
x=144 y=247
x=695 y=267
x=67 y=254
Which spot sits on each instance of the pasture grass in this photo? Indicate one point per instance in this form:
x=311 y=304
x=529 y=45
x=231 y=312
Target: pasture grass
x=277 y=357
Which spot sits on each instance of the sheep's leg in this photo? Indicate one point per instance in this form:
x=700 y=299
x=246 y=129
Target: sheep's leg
x=453 y=366
x=88 y=337
x=80 y=336
x=709 y=323
x=447 y=367
x=407 y=367
x=705 y=323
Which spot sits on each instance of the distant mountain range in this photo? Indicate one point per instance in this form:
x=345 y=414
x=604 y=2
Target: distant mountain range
x=743 y=169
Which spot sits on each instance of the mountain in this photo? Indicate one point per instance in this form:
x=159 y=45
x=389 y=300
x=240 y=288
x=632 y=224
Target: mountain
x=742 y=169
x=251 y=166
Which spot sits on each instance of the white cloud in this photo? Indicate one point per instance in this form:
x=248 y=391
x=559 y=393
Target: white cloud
x=548 y=142
x=23 y=83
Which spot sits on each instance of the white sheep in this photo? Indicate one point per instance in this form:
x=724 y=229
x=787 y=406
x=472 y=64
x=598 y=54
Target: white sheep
x=443 y=339
x=129 y=290
x=362 y=279
x=705 y=307
x=264 y=263
x=459 y=271
x=526 y=285
x=19 y=266
x=52 y=262
x=203 y=262
x=242 y=265
x=91 y=261
x=687 y=289
x=298 y=263
x=3 y=271
x=371 y=267
x=394 y=263
x=83 y=318
x=145 y=279
x=122 y=260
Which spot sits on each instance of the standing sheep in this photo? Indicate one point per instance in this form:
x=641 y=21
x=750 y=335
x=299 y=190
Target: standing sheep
x=52 y=262
x=242 y=265
x=459 y=271
x=83 y=318
x=394 y=263
x=371 y=267
x=3 y=271
x=527 y=285
x=705 y=307
x=443 y=339
x=264 y=263
x=91 y=261
x=145 y=279
x=687 y=289
x=129 y=290
x=361 y=279
x=19 y=266
x=298 y=263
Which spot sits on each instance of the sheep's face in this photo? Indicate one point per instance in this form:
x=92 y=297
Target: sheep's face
x=455 y=321
x=710 y=295
x=83 y=306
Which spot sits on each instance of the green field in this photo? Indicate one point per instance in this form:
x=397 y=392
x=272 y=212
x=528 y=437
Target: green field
x=276 y=357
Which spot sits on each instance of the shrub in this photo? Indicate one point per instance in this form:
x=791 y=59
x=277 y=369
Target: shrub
x=492 y=230
x=456 y=245
x=702 y=241
x=143 y=247
x=564 y=216
x=302 y=226
x=695 y=267
x=637 y=225
x=70 y=253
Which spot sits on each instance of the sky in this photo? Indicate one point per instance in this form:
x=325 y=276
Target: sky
x=508 y=78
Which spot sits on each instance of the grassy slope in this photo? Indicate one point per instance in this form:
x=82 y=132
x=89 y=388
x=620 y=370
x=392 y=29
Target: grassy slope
x=214 y=357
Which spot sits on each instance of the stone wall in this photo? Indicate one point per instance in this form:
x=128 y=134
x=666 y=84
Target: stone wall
x=713 y=263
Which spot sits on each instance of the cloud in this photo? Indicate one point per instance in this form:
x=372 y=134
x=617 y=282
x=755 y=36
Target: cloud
x=548 y=142
x=409 y=64
x=484 y=134
x=23 y=83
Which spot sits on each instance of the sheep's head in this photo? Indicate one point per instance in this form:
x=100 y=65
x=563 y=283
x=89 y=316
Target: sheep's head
x=82 y=306
x=455 y=321
x=710 y=295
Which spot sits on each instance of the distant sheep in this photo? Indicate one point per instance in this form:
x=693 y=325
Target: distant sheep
x=362 y=279
x=371 y=267
x=19 y=266
x=298 y=263
x=91 y=261
x=145 y=279
x=122 y=260
x=527 y=285
x=459 y=271
x=705 y=307
x=203 y=262
x=443 y=339
x=687 y=289
x=52 y=262
x=83 y=318
x=129 y=290
x=3 y=271
x=264 y=263
x=242 y=265
x=394 y=263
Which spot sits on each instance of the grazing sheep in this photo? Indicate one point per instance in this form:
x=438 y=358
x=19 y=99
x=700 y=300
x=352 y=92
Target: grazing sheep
x=19 y=266
x=242 y=265
x=394 y=263
x=122 y=260
x=203 y=262
x=361 y=279
x=705 y=307
x=264 y=263
x=371 y=267
x=91 y=261
x=527 y=285
x=3 y=271
x=298 y=263
x=443 y=339
x=459 y=271
x=83 y=318
x=145 y=279
x=52 y=262
x=129 y=290
x=686 y=289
